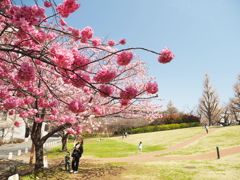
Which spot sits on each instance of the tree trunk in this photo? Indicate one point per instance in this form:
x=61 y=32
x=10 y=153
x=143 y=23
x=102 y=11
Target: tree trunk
x=32 y=154
x=64 y=142
x=39 y=158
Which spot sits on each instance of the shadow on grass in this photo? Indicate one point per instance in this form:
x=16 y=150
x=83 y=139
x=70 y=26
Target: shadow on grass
x=56 y=171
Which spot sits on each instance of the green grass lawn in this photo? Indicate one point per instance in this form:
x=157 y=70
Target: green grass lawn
x=155 y=141
x=224 y=137
x=227 y=167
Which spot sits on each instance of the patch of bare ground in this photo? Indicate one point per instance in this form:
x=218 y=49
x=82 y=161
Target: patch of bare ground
x=56 y=171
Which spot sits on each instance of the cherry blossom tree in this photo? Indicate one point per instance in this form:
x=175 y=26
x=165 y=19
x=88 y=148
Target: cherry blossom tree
x=50 y=72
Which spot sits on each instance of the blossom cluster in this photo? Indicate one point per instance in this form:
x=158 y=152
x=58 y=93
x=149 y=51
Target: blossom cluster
x=166 y=56
x=86 y=33
x=80 y=61
x=67 y=119
x=68 y=7
x=96 y=42
x=26 y=15
x=63 y=57
x=104 y=75
x=76 y=107
x=129 y=93
x=124 y=58
x=71 y=131
x=152 y=88
x=99 y=110
x=17 y=123
x=80 y=79
x=105 y=90
x=26 y=72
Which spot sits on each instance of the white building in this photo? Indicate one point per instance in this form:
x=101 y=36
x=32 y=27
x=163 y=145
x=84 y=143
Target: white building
x=9 y=132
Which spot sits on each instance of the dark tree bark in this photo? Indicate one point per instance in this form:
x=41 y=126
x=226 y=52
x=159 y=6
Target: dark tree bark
x=64 y=142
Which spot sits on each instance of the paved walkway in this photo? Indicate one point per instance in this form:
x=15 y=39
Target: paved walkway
x=151 y=156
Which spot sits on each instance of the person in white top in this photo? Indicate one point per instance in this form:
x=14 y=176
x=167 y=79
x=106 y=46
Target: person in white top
x=140 y=147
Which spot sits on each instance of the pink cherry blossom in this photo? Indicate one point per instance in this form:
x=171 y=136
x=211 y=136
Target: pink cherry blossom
x=129 y=93
x=10 y=103
x=53 y=104
x=69 y=6
x=76 y=106
x=124 y=58
x=76 y=33
x=96 y=42
x=87 y=33
x=70 y=120
x=106 y=90
x=79 y=131
x=29 y=100
x=23 y=114
x=63 y=57
x=88 y=130
x=104 y=76
x=111 y=43
x=25 y=16
x=47 y=4
x=52 y=117
x=53 y=112
x=166 y=56
x=125 y=102
x=11 y=112
x=86 y=90
x=99 y=110
x=122 y=41
x=38 y=120
x=62 y=119
x=26 y=72
x=80 y=61
x=4 y=94
x=17 y=123
x=152 y=88
x=80 y=79
x=32 y=112
x=4 y=3
x=43 y=102
x=62 y=22
x=71 y=131
x=50 y=35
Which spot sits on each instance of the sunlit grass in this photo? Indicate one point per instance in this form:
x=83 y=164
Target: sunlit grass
x=221 y=169
x=155 y=141
x=224 y=168
x=118 y=147
x=224 y=137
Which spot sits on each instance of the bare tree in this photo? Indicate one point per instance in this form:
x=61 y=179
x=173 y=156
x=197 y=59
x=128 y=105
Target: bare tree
x=209 y=103
x=235 y=101
x=170 y=109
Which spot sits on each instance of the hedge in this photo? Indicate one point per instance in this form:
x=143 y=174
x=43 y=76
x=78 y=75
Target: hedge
x=163 y=127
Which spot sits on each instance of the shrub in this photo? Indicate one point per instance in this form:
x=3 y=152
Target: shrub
x=163 y=127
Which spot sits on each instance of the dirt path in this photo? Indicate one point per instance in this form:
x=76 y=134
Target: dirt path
x=150 y=156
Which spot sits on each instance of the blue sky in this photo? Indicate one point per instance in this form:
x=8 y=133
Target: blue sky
x=204 y=35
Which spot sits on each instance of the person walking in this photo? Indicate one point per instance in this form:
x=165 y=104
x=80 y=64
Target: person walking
x=140 y=147
x=77 y=154
x=206 y=127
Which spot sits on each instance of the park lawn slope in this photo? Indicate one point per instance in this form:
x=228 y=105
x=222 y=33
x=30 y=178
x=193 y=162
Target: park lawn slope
x=224 y=137
x=154 y=141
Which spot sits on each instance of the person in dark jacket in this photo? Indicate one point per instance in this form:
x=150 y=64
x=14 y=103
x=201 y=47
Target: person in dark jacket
x=76 y=155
